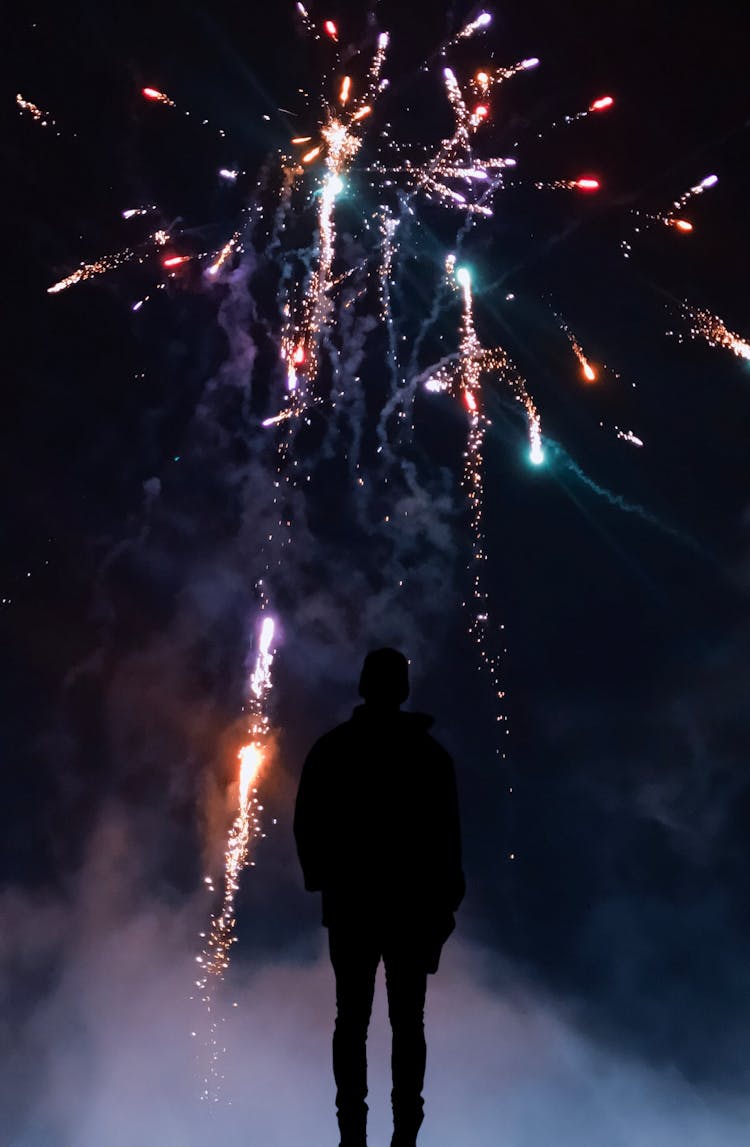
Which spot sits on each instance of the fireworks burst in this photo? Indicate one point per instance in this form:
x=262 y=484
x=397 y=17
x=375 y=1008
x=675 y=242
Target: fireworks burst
x=319 y=288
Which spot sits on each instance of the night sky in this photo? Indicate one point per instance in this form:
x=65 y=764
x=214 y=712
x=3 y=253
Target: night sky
x=597 y=990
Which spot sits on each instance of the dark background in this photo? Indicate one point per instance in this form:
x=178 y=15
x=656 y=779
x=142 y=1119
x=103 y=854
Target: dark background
x=126 y=601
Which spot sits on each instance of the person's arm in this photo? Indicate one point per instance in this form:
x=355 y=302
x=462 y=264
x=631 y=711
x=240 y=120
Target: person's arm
x=308 y=823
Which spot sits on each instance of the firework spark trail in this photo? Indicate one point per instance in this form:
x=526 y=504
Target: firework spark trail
x=691 y=193
x=714 y=331
x=596 y=107
x=483 y=20
x=588 y=373
x=214 y=959
x=628 y=436
x=154 y=96
x=91 y=270
x=462 y=374
x=470 y=370
x=108 y=263
x=228 y=249
x=43 y=118
x=670 y=218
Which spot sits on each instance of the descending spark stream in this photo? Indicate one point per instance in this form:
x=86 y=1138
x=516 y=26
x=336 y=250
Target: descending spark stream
x=470 y=370
x=214 y=959
x=465 y=377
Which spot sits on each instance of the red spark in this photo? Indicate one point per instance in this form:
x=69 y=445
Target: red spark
x=175 y=260
x=481 y=111
x=153 y=94
x=331 y=30
x=601 y=104
x=587 y=184
x=299 y=355
x=471 y=402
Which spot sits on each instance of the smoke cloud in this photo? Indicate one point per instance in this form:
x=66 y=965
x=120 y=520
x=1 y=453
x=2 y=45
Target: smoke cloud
x=97 y=1045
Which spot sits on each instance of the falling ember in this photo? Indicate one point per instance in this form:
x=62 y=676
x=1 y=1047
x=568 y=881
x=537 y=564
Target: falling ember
x=223 y=255
x=311 y=155
x=274 y=421
x=483 y=20
x=346 y=87
x=41 y=117
x=587 y=370
x=679 y=224
x=301 y=139
x=363 y=111
x=175 y=261
x=587 y=184
x=157 y=97
x=628 y=436
x=601 y=104
x=471 y=402
x=91 y=270
x=214 y=959
x=331 y=30
x=670 y=217
x=299 y=356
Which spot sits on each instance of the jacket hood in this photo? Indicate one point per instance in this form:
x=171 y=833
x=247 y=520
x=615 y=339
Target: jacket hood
x=383 y=718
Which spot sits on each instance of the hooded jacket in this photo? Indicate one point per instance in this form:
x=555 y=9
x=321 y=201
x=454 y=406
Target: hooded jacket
x=377 y=826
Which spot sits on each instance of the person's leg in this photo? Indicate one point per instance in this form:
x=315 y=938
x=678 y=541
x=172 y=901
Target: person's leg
x=355 y=958
x=406 y=982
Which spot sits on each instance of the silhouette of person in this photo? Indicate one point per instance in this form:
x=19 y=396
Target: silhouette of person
x=377 y=831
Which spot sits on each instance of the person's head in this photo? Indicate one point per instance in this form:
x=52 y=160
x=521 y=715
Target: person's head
x=385 y=678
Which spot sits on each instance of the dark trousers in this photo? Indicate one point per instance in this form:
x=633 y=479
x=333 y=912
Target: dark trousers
x=355 y=955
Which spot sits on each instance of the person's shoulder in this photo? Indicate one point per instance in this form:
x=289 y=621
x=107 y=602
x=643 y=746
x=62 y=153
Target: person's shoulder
x=332 y=739
x=420 y=726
